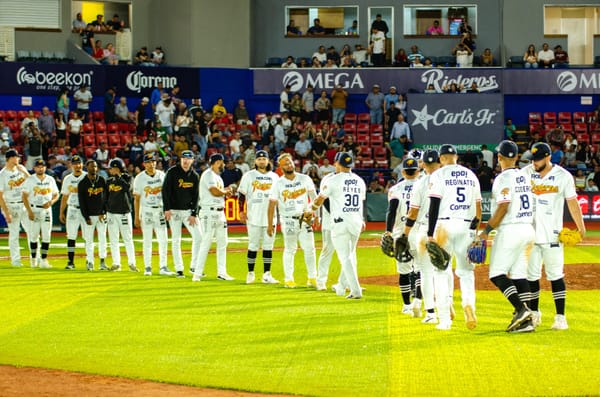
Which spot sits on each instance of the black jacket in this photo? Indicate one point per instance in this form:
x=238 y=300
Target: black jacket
x=119 y=194
x=180 y=190
x=92 y=196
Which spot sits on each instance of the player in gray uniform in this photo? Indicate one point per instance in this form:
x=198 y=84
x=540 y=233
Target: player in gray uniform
x=212 y=217
x=552 y=185
x=118 y=217
x=12 y=178
x=70 y=215
x=39 y=194
x=254 y=190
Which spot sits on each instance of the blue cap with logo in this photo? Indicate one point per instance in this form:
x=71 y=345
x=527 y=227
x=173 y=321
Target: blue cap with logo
x=76 y=159
x=410 y=164
x=508 y=149
x=447 y=149
x=345 y=160
x=39 y=163
x=187 y=154
x=540 y=151
x=430 y=156
x=216 y=157
x=262 y=154
x=149 y=157
x=11 y=153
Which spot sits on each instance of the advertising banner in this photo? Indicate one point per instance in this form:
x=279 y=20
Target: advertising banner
x=460 y=119
x=134 y=81
x=551 y=81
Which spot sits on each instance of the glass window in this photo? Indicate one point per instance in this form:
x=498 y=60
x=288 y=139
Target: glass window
x=321 y=21
x=442 y=19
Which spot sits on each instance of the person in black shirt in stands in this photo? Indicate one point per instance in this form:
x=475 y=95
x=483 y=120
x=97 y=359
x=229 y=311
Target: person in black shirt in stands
x=380 y=25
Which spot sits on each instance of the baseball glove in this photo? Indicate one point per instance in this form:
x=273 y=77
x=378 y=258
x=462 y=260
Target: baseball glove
x=439 y=257
x=569 y=237
x=387 y=245
x=402 y=248
x=477 y=250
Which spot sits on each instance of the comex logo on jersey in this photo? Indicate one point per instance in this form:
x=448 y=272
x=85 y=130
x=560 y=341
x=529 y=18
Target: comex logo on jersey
x=322 y=80
x=441 y=117
x=53 y=80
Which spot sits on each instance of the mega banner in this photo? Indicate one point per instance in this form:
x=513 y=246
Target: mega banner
x=551 y=81
x=473 y=120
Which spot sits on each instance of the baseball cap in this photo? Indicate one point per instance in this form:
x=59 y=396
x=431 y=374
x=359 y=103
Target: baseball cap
x=430 y=156
x=448 y=149
x=76 y=159
x=415 y=154
x=149 y=157
x=393 y=88
x=187 y=154
x=116 y=163
x=39 y=162
x=540 y=151
x=164 y=96
x=345 y=160
x=337 y=157
x=216 y=157
x=262 y=153
x=376 y=86
x=145 y=99
x=11 y=153
x=508 y=149
x=410 y=164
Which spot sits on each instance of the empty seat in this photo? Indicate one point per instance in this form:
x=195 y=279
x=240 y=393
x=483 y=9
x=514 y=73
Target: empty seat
x=364 y=118
x=564 y=117
x=114 y=140
x=350 y=128
x=350 y=118
x=595 y=138
x=376 y=129
x=579 y=117
x=549 y=118
x=535 y=118
x=273 y=62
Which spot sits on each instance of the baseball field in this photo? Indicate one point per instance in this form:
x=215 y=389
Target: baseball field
x=110 y=333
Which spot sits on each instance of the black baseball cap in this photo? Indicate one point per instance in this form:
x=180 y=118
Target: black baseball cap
x=540 y=151
x=447 y=149
x=216 y=157
x=39 y=162
x=345 y=160
x=76 y=159
x=430 y=156
x=116 y=163
x=410 y=164
x=262 y=153
x=508 y=149
x=187 y=154
x=149 y=157
x=11 y=153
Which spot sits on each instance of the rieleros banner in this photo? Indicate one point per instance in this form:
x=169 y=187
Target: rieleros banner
x=133 y=81
x=361 y=81
x=466 y=120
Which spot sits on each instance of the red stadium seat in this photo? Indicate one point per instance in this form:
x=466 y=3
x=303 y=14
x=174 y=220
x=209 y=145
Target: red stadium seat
x=98 y=116
x=89 y=151
x=535 y=118
x=2 y=115
x=564 y=118
x=125 y=139
x=367 y=163
x=583 y=138
x=10 y=115
x=579 y=117
x=364 y=118
x=380 y=153
x=549 y=117
x=376 y=129
x=21 y=114
x=88 y=128
x=580 y=127
x=114 y=128
x=113 y=152
x=350 y=129
x=350 y=118
x=595 y=138
x=567 y=127
x=376 y=140
x=100 y=126
x=88 y=140
x=114 y=140
x=366 y=153
x=14 y=126
x=363 y=128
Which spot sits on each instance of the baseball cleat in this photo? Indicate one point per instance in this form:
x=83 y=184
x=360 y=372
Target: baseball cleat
x=133 y=268
x=90 y=266
x=338 y=289
x=180 y=274
x=225 y=277
x=416 y=308
x=44 y=264
x=526 y=326
x=250 y=278
x=70 y=266
x=290 y=284
x=311 y=283
x=34 y=262
x=103 y=266
x=536 y=318
x=470 y=319
x=321 y=287
x=354 y=297
x=196 y=279
x=267 y=278
x=519 y=318
x=444 y=326
x=148 y=271
x=430 y=318
x=115 y=268
x=560 y=323
x=17 y=264
x=164 y=271
x=407 y=309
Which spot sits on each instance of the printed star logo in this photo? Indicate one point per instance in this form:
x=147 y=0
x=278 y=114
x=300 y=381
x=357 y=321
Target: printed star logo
x=422 y=117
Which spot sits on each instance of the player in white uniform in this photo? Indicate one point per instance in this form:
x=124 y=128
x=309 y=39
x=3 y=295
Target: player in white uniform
x=148 y=208
x=39 y=194
x=512 y=217
x=212 y=217
x=254 y=191
x=346 y=192
x=69 y=207
x=399 y=198
x=454 y=213
x=12 y=179
x=416 y=229
x=551 y=186
x=291 y=194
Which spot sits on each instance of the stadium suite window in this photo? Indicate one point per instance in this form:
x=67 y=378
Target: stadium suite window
x=31 y=14
x=336 y=21
x=418 y=19
x=107 y=9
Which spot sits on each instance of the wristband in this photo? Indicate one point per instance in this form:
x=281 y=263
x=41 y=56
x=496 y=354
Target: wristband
x=488 y=229
x=314 y=207
x=410 y=222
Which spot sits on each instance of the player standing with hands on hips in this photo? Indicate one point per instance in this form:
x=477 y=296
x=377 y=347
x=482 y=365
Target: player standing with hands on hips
x=346 y=192
x=454 y=214
x=39 y=194
x=92 y=191
x=180 y=203
x=118 y=205
x=212 y=217
x=70 y=214
x=255 y=188
x=12 y=179
x=551 y=185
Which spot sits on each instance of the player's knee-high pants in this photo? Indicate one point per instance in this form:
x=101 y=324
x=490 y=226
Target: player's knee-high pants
x=293 y=234
x=417 y=239
x=19 y=216
x=88 y=236
x=153 y=220
x=75 y=221
x=213 y=225
x=120 y=224
x=345 y=241
x=325 y=257
x=179 y=218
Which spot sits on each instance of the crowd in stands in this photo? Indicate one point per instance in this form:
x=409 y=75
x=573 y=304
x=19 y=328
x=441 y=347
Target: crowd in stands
x=546 y=58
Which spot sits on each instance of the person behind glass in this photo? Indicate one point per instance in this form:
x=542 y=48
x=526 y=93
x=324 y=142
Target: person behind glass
x=380 y=25
x=401 y=59
x=115 y=24
x=530 y=58
x=316 y=29
x=434 y=29
x=353 y=30
x=465 y=28
x=99 y=24
x=377 y=47
x=487 y=59
x=292 y=29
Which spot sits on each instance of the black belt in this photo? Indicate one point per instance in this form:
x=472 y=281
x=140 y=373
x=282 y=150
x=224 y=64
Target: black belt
x=458 y=219
x=217 y=209
x=16 y=202
x=154 y=207
x=74 y=206
x=38 y=206
x=338 y=220
x=293 y=217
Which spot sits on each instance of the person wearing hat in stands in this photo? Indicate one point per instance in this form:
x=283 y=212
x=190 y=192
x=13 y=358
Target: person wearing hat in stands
x=212 y=217
x=92 y=191
x=39 y=194
x=180 y=203
x=253 y=197
x=346 y=193
x=165 y=112
x=12 y=180
x=551 y=186
x=374 y=102
x=69 y=213
x=118 y=206
x=83 y=97
x=140 y=116
x=454 y=215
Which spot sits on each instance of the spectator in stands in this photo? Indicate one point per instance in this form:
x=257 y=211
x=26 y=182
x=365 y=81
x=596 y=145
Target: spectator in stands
x=115 y=24
x=570 y=157
x=235 y=143
x=140 y=116
x=308 y=104
x=240 y=113
x=30 y=118
x=561 y=58
x=3 y=148
x=98 y=53
x=156 y=95
x=360 y=55
x=465 y=28
x=463 y=54
x=390 y=99
x=46 y=123
x=401 y=59
x=303 y=64
x=102 y=157
x=377 y=48
x=316 y=29
x=473 y=89
x=453 y=88
x=289 y=63
x=34 y=142
x=487 y=59
x=74 y=127
x=279 y=136
x=417 y=63
x=321 y=55
x=467 y=40
x=374 y=102
x=346 y=56
x=62 y=101
x=322 y=106
x=397 y=151
x=330 y=64
x=485 y=175
x=88 y=44
x=319 y=148
x=434 y=29
x=296 y=108
x=430 y=89
x=546 y=57
x=83 y=97
x=352 y=147
x=218 y=107
x=303 y=148
x=142 y=58
x=98 y=24
x=122 y=111
x=353 y=30
x=333 y=55
x=579 y=179
x=151 y=146
x=375 y=187
x=587 y=157
x=315 y=63
x=158 y=56
x=400 y=128
x=591 y=186
x=570 y=141
x=594 y=175
x=380 y=25
x=6 y=134
x=347 y=62
x=531 y=58
x=109 y=105
x=414 y=54
x=292 y=29
x=487 y=156
x=165 y=112
x=61 y=129
x=109 y=55
x=558 y=156
x=136 y=151
x=79 y=24
x=402 y=105
x=391 y=116
x=339 y=98
x=325 y=168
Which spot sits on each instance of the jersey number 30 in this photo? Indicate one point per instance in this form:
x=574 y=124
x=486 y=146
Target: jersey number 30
x=351 y=200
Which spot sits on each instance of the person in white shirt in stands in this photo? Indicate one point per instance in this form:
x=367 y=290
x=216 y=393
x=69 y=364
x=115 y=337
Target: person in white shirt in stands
x=463 y=55
x=235 y=143
x=546 y=56
x=360 y=54
x=377 y=47
x=487 y=156
x=321 y=55
x=289 y=63
x=326 y=168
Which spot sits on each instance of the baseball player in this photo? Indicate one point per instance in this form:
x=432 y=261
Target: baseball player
x=399 y=198
x=455 y=202
x=180 y=203
x=92 y=191
x=212 y=217
x=416 y=230
x=70 y=214
x=255 y=188
x=346 y=192
x=551 y=186
x=512 y=217
x=148 y=213
x=12 y=179
x=118 y=217
x=291 y=194
x=39 y=194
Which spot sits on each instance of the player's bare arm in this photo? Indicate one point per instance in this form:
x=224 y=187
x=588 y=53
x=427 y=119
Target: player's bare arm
x=575 y=211
x=270 y=214
x=495 y=220
x=136 y=206
x=4 y=208
x=30 y=213
x=242 y=201
x=63 y=209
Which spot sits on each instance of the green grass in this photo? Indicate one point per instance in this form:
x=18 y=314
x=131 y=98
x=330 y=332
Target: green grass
x=269 y=339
